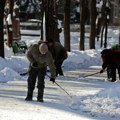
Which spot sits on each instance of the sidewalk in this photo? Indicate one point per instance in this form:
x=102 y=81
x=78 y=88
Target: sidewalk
x=58 y=105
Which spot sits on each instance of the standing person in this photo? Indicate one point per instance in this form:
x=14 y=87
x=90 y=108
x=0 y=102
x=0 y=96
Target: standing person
x=59 y=54
x=39 y=58
x=113 y=47
x=107 y=66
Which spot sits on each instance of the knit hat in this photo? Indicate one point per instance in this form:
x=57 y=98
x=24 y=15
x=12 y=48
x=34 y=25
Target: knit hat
x=115 y=47
x=43 y=48
x=105 y=51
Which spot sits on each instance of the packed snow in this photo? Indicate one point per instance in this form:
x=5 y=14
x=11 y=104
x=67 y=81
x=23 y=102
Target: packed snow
x=87 y=99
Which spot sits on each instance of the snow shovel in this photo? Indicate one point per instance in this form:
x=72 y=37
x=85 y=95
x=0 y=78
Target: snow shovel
x=91 y=74
x=63 y=90
x=23 y=74
x=61 y=87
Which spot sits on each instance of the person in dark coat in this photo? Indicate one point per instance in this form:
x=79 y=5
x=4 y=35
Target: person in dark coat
x=39 y=57
x=113 y=47
x=59 y=54
x=111 y=59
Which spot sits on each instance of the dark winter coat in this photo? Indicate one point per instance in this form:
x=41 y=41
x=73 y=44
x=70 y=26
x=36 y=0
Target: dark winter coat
x=110 y=58
x=59 y=53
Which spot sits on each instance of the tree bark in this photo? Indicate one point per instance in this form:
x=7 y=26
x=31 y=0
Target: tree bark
x=50 y=19
x=2 y=5
x=82 y=24
x=67 y=25
x=92 y=23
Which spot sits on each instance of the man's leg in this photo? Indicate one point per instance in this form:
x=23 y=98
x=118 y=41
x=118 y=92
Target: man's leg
x=113 y=73
x=59 y=70
x=41 y=83
x=40 y=95
x=109 y=72
x=31 y=83
x=118 y=68
x=29 y=95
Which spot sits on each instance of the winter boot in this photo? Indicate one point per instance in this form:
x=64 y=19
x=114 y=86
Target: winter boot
x=29 y=95
x=113 y=78
x=40 y=95
x=60 y=72
x=56 y=72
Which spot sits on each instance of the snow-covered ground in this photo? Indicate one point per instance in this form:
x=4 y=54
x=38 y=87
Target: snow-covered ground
x=89 y=98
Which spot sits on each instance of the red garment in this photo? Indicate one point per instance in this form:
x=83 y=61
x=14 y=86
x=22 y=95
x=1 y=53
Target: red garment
x=112 y=57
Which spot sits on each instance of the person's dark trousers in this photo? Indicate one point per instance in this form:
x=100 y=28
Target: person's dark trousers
x=113 y=73
x=118 y=68
x=40 y=95
x=41 y=83
x=108 y=72
x=33 y=74
x=31 y=83
x=59 y=70
x=29 y=95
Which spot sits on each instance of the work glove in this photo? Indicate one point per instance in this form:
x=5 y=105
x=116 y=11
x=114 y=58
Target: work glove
x=52 y=79
x=101 y=71
x=35 y=64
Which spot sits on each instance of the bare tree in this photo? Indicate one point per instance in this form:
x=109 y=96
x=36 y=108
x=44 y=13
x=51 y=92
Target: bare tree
x=84 y=18
x=49 y=10
x=49 y=19
x=2 y=5
x=92 y=23
x=82 y=24
x=67 y=25
x=105 y=21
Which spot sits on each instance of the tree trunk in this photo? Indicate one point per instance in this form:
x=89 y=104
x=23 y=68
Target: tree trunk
x=67 y=25
x=102 y=30
x=50 y=20
x=9 y=26
x=82 y=24
x=2 y=5
x=56 y=29
x=106 y=30
x=92 y=23
x=42 y=12
x=119 y=35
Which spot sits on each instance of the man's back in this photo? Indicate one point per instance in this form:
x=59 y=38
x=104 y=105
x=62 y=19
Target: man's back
x=59 y=51
x=111 y=57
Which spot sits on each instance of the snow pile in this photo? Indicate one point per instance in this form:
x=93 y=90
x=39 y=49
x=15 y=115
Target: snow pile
x=82 y=59
x=104 y=103
x=8 y=74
